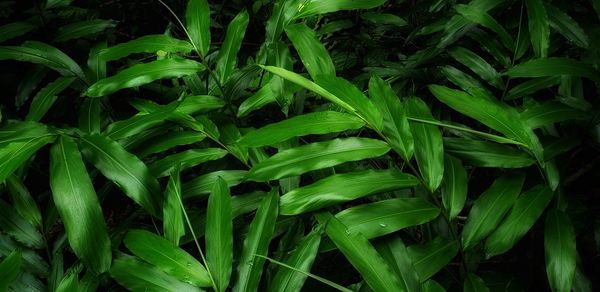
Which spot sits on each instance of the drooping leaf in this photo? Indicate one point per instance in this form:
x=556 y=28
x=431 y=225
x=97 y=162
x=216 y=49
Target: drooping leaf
x=173 y=226
x=250 y=267
x=203 y=185
x=313 y=54
x=80 y=29
x=314 y=7
x=10 y=268
x=45 y=98
x=567 y=26
x=308 y=124
x=395 y=124
x=539 y=27
x=23 y=202
x=126 y=170
x=554 y=67
x=387 y=216
x=145 y=44
x=527 y=209
x=227 y=58
x=429 y=148
x=188 y=158
x=560 y=250
x=14 y=154
x=197 y=18
x=361 y=254
x=43 y=54
x=136 y=275
x=75 y=199
x=18 y=228
x=478 y=65
x=489 y=209
x=345 y=187
x=301 y=258
x=432 y=256
x=219 y=234
x=167 y=257
x=299 y=160
x=487 y=154
x=454 y=186
x=141 y=74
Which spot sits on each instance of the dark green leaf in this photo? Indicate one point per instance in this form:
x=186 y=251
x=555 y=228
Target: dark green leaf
x=487 y=154
x=314 y=7
x=478 y=65
x=219 y=234
x=145 y=44
x=170 y=141
x=567 y=26
x=203 y=185
x=474 y=283
x=454 y=186
x=531 y=86
x=197 y=18
x=14 y=154
x=383 y=19
x=554 y=67
x=173 y=226
x=90 y=115
x=396 y=255
x=227 y=58
x=539 y=28
x=188 y=158
x=550 y=112
x=313 y=54
x=482 y=18
x=15 y=29
x=43 y=54
x=138 y=123
x=560 y=250
x=46 y=97
x=23 y=202
x=80 y=29
x=14 y=225
x=432 y=256
x=10 y=268
x=301 y=258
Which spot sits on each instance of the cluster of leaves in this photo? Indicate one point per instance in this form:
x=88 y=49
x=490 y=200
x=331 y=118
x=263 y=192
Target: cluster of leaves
x=279 y=144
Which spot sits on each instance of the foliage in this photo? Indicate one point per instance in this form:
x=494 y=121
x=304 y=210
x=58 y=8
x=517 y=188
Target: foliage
x=287 y=145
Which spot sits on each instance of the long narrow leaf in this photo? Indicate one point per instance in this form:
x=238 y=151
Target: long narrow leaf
x=219 y=234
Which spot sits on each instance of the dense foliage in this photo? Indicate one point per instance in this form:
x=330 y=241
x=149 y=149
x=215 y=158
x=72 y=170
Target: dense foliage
x=287 y=145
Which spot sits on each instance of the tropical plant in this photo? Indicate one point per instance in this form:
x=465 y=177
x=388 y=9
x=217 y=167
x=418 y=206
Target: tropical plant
x=281 y=145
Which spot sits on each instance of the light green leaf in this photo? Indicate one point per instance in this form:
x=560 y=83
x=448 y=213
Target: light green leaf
x=308 y=124
x=527 y=209
x=167 y=257
x=188 y=158
x=387 y=216
x=10 y=268
x=250 y=267
x=203 y=185
x=539 y=28
x=14 y=154
x=126 y=170
x=45 y=98
x=23 y=202
x=567 y=26
x=432 y=256
x=219 y=234
x=554 y=67
x=299 y=160
x=301 y=258
x=76 y=202
x=17 y=227
x=145 y=73
x=173 y=226
x=15 y=29
x=315 y=7
x=361 y=254
x=454 y=186
x=313 y=54
x=227 y=58
x=197 y=18
x=145 y=44
x=136 y=275
x=80 y=29
x=340 y=188
x=429 y=149
x=487 y=154
x=478 y=65
x=489 y=209
x=560 y=250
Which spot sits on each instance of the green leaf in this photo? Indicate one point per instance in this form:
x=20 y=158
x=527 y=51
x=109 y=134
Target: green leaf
x=17 y=227
x=136 y=275
x=10 y=268
x=554 y=67
x=491 y=113
x=383 y=19
x=474 y=283
x=313 y=54
x=567 y=26
x=262 y=97
x=145 y=73
x=257 y=240
x=203 y=185
x=23 y=202
x=387 y=216
x=340 y=188
x=527 y=209
x=315 y=7
x=15 y=29
x=361 y=254
x=80 y=29
x=227 y=58
x=76 y=202
x=199 y=104
x=138 y=123
x=539 y=28
x=432 y=286
x=32 y=262
x=301 y=258
x=145 y=44
x=489 y=209
x=487 y=154
x=90 y=115
x=173 y=226
x=22 y=131
x=531 y=86
x=478 y=65
x=45 y=98
x=219 y=234
x=43 y=54
x=299 y=160
x=167 y=257
x=14 y=154
x=396 y=129
x=482 y=18
x=396 y=255
x=550 y=112
x=460 y=79
x=126 y=170
x=432 y=256
x=69 y=283
x=454 y=186
x=429 y=149
x=308 y=124
x=197 y=18
x=560 y=250
x=188 y=158
x=169 y=141
x=96 y=65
